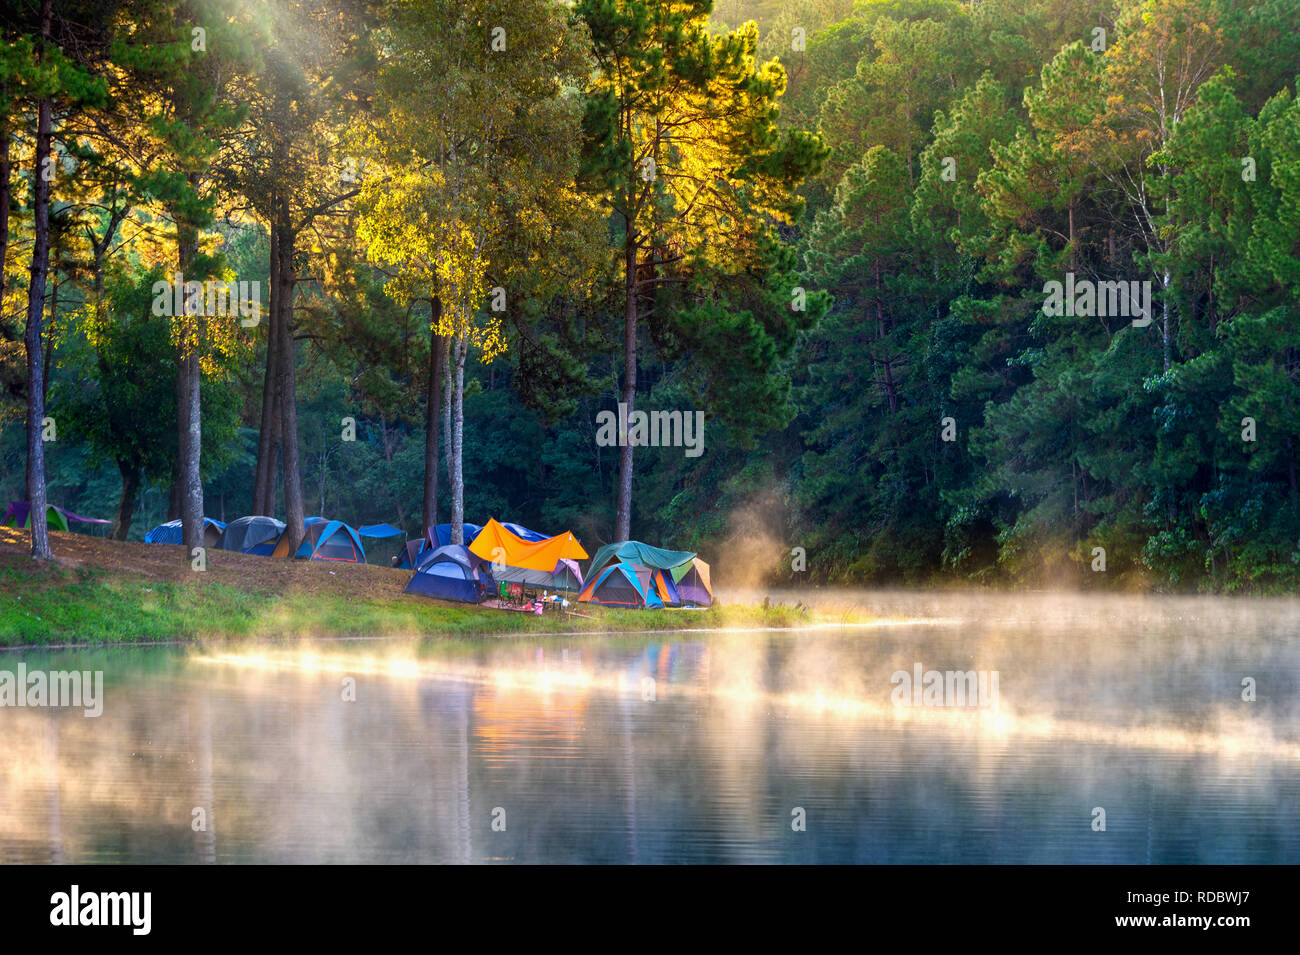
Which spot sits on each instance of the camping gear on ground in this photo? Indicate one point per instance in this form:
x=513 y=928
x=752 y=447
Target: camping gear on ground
x=508 y=592
x=173 y=533
x=635 y=552
x=56 y=517
x=450 y=573
x=255 y=534
x=498 y=545
x=324 y=540
x=621 y=585
x=692 y=579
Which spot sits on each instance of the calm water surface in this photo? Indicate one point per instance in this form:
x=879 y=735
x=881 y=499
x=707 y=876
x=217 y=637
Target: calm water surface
x=686 y=747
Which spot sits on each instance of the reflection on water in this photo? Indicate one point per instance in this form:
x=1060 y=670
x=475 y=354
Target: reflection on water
x=699 y=749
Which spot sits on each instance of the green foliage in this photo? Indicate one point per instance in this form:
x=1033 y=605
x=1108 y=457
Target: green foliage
x=1070 y=433
x=966 y=154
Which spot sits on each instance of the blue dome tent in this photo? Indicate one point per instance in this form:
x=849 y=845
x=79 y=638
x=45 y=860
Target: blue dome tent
x=450 y=573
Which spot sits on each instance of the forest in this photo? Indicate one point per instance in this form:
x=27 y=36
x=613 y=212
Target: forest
x=1002 y=293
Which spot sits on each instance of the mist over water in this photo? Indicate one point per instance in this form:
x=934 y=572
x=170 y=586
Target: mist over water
x=692 y=747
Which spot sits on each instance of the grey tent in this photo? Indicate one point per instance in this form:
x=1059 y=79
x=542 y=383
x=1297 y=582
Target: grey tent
x=565 y=576
x=252 y=535
x=533 y=578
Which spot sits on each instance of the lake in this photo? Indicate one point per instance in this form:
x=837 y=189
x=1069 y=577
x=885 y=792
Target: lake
x=1095 y=730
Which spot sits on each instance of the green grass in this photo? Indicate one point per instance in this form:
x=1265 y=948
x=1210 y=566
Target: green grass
x=99 y=607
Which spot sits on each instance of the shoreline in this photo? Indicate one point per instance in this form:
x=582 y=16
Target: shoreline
x=125 y=594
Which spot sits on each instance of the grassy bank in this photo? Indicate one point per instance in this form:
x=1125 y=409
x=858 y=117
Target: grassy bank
x=103 y=592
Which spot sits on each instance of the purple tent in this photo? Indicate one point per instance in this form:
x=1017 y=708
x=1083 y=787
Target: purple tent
x=692 y=581
x=567 y=575
x=20 y=511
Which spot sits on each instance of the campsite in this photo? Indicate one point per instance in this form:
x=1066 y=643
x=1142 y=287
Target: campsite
x=503 y=566
x=105 y=592
x=500 y=565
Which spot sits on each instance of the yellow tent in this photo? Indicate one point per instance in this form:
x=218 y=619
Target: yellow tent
x=496 y=544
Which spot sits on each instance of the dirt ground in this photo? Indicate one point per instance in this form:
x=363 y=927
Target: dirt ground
x=81 y=552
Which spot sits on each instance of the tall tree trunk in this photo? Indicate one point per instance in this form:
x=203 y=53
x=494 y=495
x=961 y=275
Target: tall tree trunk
x=433 y=412
x=274 y=463
x=190 y=422
x=182 y=427
x=294 y=514
x=457 y=443
x=446 y=404
x=188 y=416
x=35 y=312
x=126 y=503
x=268 y=434
x=623 y=518
x=275 y=443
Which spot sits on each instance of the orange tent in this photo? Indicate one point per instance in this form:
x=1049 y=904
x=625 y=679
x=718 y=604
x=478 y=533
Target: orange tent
x=496 y=544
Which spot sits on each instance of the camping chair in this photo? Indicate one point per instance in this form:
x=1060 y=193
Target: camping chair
x=510 y=592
